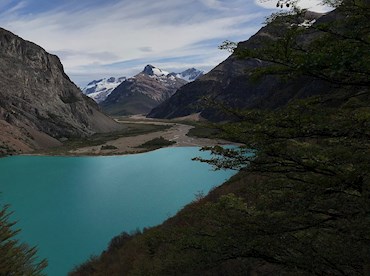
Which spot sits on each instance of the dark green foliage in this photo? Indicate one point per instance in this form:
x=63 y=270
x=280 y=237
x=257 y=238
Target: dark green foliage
x=312 y=211
x=6 y=150
x=334 y=49
x=204 y=131
x=157 y=143
x=302 y=205
x=108 y=147
x=118 y=241
x=16 y=258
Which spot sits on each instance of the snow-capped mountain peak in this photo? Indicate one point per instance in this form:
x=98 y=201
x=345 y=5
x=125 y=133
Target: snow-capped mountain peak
x=189 y=75
x=99 y=90
x=141 y=93
x=154 y=71
x=92 y=84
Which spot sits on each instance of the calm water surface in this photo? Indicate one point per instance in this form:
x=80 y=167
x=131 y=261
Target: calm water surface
x=70 y=207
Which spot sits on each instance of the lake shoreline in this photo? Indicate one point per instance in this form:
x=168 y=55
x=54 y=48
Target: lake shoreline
x=176 y=133
x=82 y=203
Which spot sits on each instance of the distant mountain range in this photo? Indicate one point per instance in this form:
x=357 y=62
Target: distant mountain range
x=189 y=75
x=38 y=102
x=146 y=90
x=100 y=89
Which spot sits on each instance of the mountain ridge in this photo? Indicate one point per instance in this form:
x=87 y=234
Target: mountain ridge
x=189 y=75
x=230 y=84
x=100 y=89
x=141 y=93
x=39 y=104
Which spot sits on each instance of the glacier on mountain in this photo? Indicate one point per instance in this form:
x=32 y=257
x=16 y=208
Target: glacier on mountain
x=99 y=90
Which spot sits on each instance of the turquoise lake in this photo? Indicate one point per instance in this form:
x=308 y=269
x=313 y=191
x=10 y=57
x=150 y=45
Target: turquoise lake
x=71 y=207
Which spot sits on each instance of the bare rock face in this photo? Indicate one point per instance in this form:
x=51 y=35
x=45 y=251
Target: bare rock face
x=230 y=84
x=38 y=102
x=141 y=93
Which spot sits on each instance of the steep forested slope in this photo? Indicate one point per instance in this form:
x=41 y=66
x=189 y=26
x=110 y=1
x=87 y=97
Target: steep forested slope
x=302 y=204
x=231 y=84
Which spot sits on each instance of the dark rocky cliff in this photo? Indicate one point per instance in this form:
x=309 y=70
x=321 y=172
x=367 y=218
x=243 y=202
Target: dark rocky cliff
x=230 y=84
x=38 y=102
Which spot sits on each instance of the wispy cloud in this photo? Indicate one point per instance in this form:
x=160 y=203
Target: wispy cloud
x=89 y=37
x=214 y=4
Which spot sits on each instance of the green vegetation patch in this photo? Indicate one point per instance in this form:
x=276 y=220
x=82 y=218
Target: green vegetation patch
x=157 y=143
x=6 y=150
x=97 y=139
x=205 y=131
x=108 y=147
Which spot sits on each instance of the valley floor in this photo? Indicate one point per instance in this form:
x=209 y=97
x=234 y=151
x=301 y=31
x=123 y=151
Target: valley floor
x=176 y=132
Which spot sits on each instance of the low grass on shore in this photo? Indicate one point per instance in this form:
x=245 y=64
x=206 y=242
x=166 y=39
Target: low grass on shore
x=97 y=139
x=156 y=143
x=204 y=131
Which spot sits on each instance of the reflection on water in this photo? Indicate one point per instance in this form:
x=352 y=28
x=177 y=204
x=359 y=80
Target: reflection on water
x=70 y=207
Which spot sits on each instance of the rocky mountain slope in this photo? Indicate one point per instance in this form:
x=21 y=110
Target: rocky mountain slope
x=141 y=93
x=189 y=75
x=99 y=90
x=230 y=84
x=38 y=102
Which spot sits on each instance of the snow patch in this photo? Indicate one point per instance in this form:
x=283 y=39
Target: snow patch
x=99 y=90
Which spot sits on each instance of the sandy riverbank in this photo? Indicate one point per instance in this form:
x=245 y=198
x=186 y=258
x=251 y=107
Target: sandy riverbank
x=126 y=145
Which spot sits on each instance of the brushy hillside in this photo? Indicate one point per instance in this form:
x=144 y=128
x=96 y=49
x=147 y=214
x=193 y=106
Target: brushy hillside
x=232 y=83
x=302 y=205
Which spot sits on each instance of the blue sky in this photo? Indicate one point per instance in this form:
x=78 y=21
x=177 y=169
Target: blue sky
x=102 y=38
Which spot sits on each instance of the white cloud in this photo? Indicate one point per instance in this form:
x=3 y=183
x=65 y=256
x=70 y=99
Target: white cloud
x=214 y=4
x=89 y=39
x=312 y=5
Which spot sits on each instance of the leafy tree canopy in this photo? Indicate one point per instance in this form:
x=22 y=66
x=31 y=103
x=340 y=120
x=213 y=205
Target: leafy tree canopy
x=16 y=258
